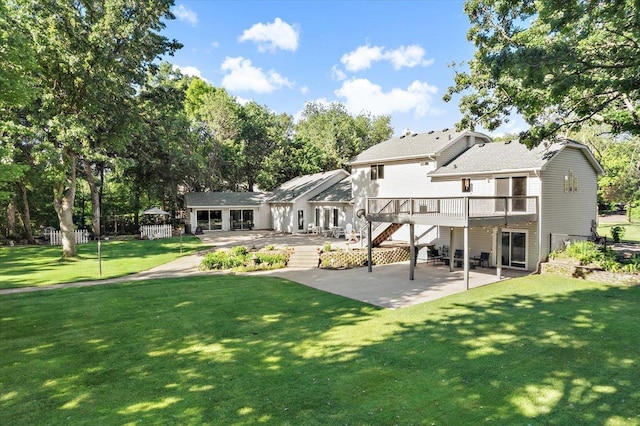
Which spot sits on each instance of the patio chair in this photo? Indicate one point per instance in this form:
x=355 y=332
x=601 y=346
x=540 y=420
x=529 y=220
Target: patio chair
x=484 y=259
x=458 y=257
x=350 y=234
x=433 y=255
x=311 y=228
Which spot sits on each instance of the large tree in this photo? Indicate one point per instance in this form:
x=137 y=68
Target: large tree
x=560 y=64
x=92 y=55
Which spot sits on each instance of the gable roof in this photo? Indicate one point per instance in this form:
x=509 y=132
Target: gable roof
x=291 y=190
x=509 y=157
x=224 y=199
x=414 y=145
x=338 y=193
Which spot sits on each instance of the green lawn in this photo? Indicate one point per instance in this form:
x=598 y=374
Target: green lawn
x=41 y=265
x=631 y=234
x=243 y=350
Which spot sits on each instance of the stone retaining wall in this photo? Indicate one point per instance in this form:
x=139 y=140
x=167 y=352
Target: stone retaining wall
x=339 y=259
x=588 y=273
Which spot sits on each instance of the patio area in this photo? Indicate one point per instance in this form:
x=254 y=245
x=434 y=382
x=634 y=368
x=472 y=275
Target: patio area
x=387 y=286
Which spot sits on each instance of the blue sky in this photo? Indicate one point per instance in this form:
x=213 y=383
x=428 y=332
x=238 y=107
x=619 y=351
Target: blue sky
x=382 y=57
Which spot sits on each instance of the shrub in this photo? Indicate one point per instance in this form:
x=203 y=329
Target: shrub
x=585 y=252
x=269 y=247
x=327 y=247
x=239 y=251
x=617 y=232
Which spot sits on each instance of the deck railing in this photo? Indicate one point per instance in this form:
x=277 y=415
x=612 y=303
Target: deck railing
x=457 y=208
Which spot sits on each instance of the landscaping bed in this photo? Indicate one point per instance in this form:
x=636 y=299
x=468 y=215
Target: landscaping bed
x=241 y=259
x=342 y=259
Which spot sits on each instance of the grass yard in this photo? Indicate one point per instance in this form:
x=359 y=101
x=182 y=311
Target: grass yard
x=245 y=350
x=41 y=265
x=631 y=234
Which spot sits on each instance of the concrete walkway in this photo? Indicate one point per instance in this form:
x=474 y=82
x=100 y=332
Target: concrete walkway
x=387 y=286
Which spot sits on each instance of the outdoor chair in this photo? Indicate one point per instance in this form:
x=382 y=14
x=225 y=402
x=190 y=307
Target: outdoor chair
x=311 y=228
x=458 y=257
x=433 y=255
x=484 y=259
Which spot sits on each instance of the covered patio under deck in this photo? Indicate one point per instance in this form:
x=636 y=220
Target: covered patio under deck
x=452 y=212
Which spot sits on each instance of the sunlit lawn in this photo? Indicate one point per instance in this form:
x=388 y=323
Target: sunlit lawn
x=253 y=350
x=41 y=265
x=632 y=230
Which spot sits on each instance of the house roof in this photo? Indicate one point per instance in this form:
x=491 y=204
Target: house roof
x=338 y=193
x=290 y=191
x=508 y=157
x=414 y=145
x=224 y=199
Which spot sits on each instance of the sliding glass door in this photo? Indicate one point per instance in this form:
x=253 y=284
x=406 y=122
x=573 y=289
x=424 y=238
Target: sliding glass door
x=209 y=220
x=514 y=249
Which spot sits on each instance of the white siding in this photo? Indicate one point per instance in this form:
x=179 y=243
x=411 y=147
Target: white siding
x=567 y=212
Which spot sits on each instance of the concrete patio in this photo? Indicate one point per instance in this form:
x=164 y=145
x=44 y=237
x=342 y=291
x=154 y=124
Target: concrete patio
x=387 y=286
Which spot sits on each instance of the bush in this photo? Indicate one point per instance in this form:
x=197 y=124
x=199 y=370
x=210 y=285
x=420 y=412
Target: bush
x=327 y=247
x=617 y=232
x=239 y=251
x=269 y=247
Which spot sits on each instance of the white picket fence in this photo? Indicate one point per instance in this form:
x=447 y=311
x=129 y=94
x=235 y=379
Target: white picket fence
x=154 y=232
x=82 y=237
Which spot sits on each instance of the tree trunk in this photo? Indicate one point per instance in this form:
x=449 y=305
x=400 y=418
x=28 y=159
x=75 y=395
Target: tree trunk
x=11 y=219
x=95 y=199
x=64 y=193
x=26 y=213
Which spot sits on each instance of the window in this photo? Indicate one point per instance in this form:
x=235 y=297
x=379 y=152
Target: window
x=300 y=220
x=335 y=217
x=377 y=171
x=570 y=182
x=466 y=185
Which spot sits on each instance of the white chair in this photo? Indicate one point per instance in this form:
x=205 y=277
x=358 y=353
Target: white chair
x=349 y=233
x=311 y=228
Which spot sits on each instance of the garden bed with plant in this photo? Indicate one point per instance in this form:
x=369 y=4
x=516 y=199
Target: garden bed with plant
x=241 y=259
x=586 y=260
x=343 y=259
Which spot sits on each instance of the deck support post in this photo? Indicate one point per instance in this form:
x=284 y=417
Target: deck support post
x=369 y=247
x=412 y=255
x=499 y=252
x=465 y=257
x=451 y=250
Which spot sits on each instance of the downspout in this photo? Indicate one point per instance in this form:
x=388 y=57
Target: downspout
x=539 y=216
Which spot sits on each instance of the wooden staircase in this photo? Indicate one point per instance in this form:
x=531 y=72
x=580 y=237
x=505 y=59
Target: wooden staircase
x=385 y=234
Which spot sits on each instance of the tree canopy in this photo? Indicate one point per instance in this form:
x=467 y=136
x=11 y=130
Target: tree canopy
x=560 y=64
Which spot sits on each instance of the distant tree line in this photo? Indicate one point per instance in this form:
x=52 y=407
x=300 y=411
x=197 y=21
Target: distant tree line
x=93 y=126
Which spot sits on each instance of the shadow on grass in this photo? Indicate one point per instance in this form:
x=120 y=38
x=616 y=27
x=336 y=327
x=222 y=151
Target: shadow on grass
x=244 y=350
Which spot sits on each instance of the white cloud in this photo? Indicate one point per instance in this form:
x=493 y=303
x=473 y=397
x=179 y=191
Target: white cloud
x=361 y=58
x=407 y=56
x=404 y=56
x=190 y=71
x=362 y=95
x=241 y=75
x=304 y=90
x=269 y=37
x=242 y=101
x=215 y=44
x=337 y=73
x=185 y=14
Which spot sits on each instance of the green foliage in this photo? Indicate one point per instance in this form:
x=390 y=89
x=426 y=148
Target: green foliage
x=617 y=232
x=327 y=247
x=239 y=259
x=585 y=252
x=270 y=247
x=558 y=64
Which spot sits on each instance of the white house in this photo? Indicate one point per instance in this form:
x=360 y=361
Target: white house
x=451 y=189
x=464 y=192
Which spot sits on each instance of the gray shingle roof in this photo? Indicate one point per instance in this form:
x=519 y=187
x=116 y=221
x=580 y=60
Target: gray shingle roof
x=289 y=191
x=411 y=146
x=223 y=199
x=501 y=157
x=338 y=193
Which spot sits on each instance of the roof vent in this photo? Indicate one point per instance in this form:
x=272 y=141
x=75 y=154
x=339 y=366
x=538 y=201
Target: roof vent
x=407 y=132
x=402 y=136
x=507 y=142
x=437 y=137
x=449 y=136
x=429 y=132
x=413 y=135
x=482 y=144
x=446 y=129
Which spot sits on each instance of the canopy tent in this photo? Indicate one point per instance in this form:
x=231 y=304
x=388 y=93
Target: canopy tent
x=157 y=211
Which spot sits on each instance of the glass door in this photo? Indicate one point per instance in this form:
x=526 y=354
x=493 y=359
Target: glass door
x=241 y=219
x=209 y=220
x=514 y=249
